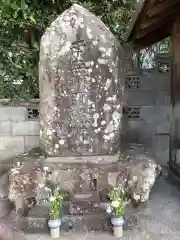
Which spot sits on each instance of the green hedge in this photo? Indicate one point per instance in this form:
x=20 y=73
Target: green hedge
x=22 y=23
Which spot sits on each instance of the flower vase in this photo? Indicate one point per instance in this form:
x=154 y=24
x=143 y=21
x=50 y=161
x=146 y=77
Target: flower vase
x=54 y=226
x=117 y=223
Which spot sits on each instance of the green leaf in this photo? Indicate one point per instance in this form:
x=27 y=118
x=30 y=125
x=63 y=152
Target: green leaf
x=32 y=19
x=24 y=5
x=14 y=6
x=6 y=2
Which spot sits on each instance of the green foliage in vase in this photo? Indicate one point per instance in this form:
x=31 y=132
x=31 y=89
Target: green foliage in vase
x=55 y=200
x=118 y=202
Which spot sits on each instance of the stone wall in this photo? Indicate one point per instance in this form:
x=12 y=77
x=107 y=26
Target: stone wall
x=147 y=117
x=19 y=127
x=149 y=110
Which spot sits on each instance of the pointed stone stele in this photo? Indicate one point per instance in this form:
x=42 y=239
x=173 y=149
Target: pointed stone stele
x=81 y=86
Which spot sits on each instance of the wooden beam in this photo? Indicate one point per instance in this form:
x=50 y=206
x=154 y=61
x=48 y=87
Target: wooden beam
x=161 y=7
x=176 y=40
x=157 y=27
x=149 y=39
x=153 y=22
x=175 y=94
x=175 y=78
x=151 y=3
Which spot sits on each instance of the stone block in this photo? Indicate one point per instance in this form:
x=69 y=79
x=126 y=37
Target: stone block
x=31 y=142
x=162 y=127
x=85 y=197
x=155 y=113
x=136 y=97
x=178 y=156
x=137 y=173
x=140 y=98
x=37 y=221
x=85 y=208
x=162 y=81
x=148 y=127
x=163 y=98
x=112 y=178
x=11 y=146
x=141 y=127
x=78 y=177
x=12 y=113
x=106 y=159
x=65 y=179
x=147 y=82
x=23 y=183
x=5 y=207
x=161 y=144
x=4 y=185
x=151 y=80
x=25 y=128
x=5 y=128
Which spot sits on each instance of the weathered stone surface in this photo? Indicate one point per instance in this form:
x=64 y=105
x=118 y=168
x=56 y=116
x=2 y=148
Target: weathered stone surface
x=5 y=128
x=12 y=113
x=31 y=142
x=65 y=179
x=104 y=159
x=37 y=221
x=81 y=86
x=23 y=183
x=112 y=178
x=6 y=233
x=137 y=174
x=5 y=207
x=11 y=146
x=25 y=128
x=78 y=178
x=4 y=185
x=85 y=203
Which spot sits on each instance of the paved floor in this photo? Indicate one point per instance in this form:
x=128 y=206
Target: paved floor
x=159 y=219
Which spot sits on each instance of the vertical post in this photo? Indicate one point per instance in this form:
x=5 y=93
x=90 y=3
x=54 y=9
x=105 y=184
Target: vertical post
x=175 y=97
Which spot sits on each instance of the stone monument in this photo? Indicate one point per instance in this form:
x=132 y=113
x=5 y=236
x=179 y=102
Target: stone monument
x=81 y=86
x=81 y=98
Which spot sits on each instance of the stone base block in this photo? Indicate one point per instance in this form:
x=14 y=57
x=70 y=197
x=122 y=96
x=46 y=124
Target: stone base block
x=106 y=159
x=5 y=207
x=36 y=222
x=80 y=174
x=96 y=222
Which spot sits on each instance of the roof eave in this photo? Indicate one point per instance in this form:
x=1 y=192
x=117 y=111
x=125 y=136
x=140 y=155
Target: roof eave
x=139 y=6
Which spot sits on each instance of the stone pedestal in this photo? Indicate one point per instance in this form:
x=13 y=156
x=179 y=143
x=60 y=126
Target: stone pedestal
x=81 y=174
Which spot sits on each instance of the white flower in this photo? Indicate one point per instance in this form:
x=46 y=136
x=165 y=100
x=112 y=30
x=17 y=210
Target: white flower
x=47 y=189
x=108 y=209
x=61 y=142
x=52 y=199
x=18 y=164
x=41 y=185
x=115 y=204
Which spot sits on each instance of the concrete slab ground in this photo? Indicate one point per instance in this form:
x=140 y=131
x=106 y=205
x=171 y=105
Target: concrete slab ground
x=158 y=219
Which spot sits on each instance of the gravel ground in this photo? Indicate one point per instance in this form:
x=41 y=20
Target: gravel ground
x=158 y=219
